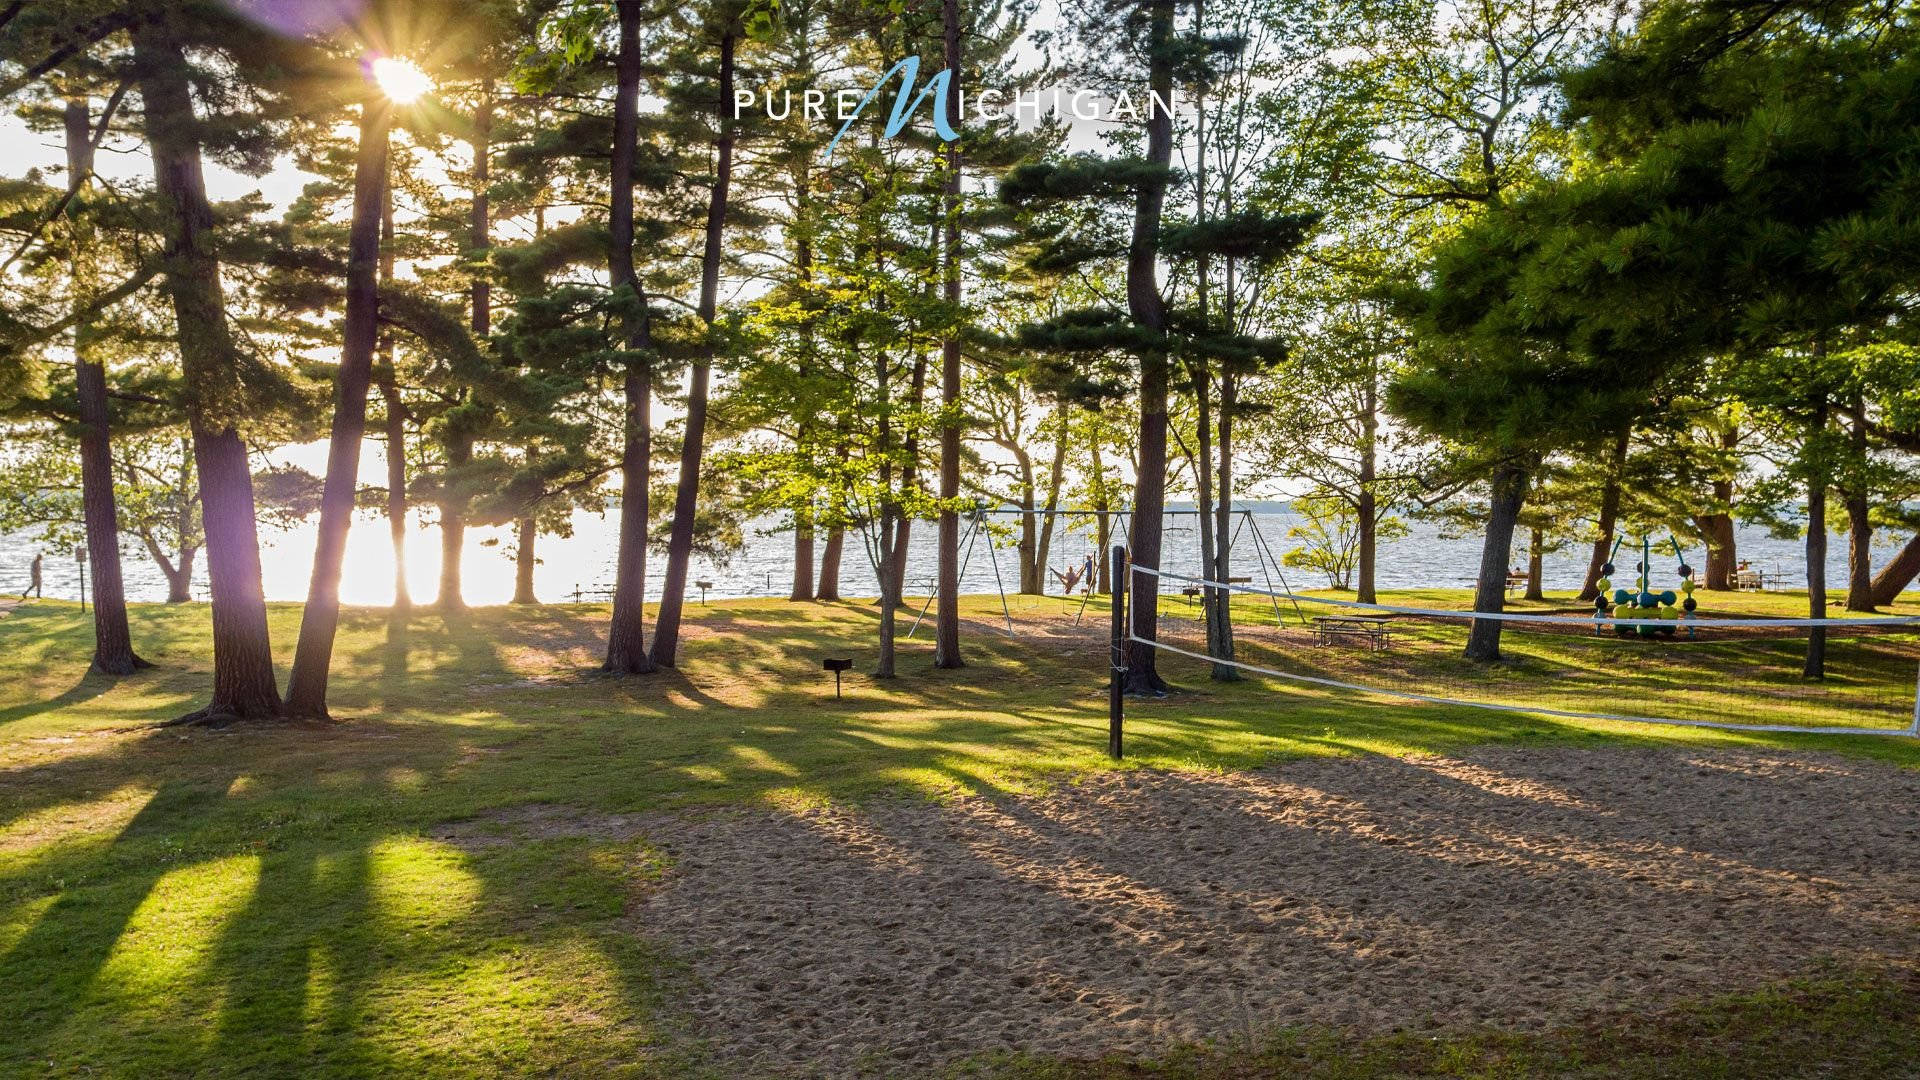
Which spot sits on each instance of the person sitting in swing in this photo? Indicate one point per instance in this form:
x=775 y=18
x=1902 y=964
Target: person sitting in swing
x=1071 y=579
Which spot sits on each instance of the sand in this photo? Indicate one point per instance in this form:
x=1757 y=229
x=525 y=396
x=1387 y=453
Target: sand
x=1518 y=888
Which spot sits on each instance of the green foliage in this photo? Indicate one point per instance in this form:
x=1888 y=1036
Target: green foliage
x=1329 y=537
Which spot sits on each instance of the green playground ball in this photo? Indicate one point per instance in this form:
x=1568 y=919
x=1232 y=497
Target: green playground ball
x=1668 y=597
x=1649 y=631
x=1667 y=611
x=1622 y=611
x=1688 y=585
x=1603 y=585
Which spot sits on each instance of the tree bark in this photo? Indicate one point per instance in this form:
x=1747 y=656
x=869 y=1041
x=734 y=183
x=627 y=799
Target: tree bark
x=946 y=620
x=830 y=558
x=1897 y=574
x=666 y=632
x=1816 y=665
x=524 y=559
x=626 y=633
x=1148 y=310
x=1859 y=519
x=320 y=618
x=112 y=639
x=1220 y=620
x=802 y=557
x=1609 y=517
x=396 y=421
x=1490 y=589
x=1717 y=528
x=453 y=506
x=1536 y=558
x=453 y=528
x=1367 y=509
x=180 y=580
x=1103 y=523
x=244 y=684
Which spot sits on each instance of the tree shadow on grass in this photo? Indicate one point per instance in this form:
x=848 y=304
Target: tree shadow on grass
x=48 y=972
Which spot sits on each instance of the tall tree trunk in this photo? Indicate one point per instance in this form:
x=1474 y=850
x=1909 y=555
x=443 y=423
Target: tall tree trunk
x=396 y=421
x=666 y=633
x=887 y=569
x=1490 y=589
x=1368 y=504
x=802 y=556
x=1816 y=665
x=1859 y=520
x=320 y=619
x=626 y=633
x=1536 y=559
x=453 y=507
x=1103 y=522
x=831 y=556
x=112 y=639
x=524 y=560
x=1148 y=310
x=244 y=685
x=453 y=528
x=180 y=577
x=910 y=472
x=1609 y=516
x=1056 y=479
x=1030 y=572
x=1717 y=527
x=1220 y=619
x=1897 y=574
x=946 y=620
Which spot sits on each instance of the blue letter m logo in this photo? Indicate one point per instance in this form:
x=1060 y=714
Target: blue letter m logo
x=903 y=108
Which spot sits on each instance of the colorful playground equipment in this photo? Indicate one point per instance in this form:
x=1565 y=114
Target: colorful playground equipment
x=1641 y=602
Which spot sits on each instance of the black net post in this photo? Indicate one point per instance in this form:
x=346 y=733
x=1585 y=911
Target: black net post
x=1117 y=674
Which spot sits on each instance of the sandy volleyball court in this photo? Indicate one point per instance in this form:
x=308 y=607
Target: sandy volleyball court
x=1512 y=887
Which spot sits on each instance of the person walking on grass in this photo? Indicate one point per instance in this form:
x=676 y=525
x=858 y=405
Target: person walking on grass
x=33 y=586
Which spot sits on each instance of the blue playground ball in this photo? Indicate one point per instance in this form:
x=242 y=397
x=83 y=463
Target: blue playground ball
x=1647 y=599
x=1690 y=604
x=1607 y=570
x=1622 y=596
x=1667 y=598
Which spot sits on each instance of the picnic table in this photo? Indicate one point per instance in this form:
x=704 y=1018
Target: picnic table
x=1372 y=629
x=1749 y=580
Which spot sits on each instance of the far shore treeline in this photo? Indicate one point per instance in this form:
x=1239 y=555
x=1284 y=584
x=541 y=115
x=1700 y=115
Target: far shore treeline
x=1552 y=272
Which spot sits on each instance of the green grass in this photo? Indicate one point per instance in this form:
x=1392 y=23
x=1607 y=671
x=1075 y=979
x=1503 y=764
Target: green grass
x=265 y=902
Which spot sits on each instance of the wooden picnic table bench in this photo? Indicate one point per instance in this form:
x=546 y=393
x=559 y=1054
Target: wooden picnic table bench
x=1328 y=629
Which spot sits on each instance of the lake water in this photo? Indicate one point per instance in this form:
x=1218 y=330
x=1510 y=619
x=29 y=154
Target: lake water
x=584 y=562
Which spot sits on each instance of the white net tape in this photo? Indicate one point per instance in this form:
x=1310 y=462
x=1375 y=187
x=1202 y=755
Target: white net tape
x=1894 y=622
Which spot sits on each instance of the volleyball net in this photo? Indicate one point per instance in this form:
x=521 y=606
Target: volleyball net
x=1655 y=664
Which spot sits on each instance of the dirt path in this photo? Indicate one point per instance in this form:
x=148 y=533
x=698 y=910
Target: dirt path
x=1518 y=888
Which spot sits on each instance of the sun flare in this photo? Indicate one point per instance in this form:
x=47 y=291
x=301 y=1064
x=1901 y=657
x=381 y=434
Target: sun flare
x=401 y=80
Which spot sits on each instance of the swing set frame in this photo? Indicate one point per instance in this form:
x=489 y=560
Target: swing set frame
x=1122 y=526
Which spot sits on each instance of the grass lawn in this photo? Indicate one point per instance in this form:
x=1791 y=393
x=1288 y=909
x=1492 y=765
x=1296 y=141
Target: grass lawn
x=270 y=902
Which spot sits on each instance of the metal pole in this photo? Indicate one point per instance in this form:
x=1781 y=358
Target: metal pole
x=973 y=524
x=1000 y=583
x=1117 y=662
